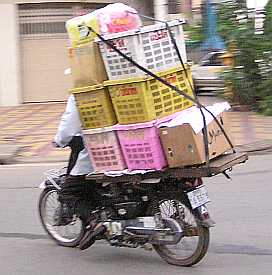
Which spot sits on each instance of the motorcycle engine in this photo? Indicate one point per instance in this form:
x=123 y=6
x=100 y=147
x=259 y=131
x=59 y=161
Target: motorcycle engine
x=124 y=211
x=128 y=210
x=125 y=201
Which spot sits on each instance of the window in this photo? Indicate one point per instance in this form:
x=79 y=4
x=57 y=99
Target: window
x=48 y=19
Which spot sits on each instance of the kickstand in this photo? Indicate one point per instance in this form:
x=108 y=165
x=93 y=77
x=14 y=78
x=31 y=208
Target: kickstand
x=226 y=175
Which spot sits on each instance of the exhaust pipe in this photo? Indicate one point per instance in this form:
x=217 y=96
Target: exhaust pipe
x=172 y=234
x=147 y=231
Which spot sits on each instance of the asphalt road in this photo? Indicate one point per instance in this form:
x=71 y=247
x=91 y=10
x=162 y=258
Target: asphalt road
x=240 y=243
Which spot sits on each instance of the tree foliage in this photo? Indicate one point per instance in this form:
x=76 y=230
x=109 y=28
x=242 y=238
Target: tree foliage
x=265 y=89
x=249 y=77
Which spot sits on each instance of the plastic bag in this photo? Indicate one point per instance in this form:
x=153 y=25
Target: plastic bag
x=117 y=17
x=113 y=18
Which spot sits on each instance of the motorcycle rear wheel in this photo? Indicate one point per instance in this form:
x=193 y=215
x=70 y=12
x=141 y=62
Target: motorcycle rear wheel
x=68 y=235
x=194 y=245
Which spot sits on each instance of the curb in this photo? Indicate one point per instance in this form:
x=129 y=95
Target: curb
x=12 y=154
x=8 y=152
x=19 y=160
x=256 y=148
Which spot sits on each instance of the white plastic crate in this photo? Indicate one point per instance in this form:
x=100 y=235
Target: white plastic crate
x=150 y=46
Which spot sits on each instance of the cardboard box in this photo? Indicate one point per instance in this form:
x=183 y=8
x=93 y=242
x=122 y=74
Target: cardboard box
x=86 y=65
x=183 y=147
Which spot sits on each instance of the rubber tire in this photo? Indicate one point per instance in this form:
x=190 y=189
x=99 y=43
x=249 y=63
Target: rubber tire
x=203 y=244
x=73 y=243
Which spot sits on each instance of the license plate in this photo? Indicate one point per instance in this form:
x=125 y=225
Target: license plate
x=198 y=197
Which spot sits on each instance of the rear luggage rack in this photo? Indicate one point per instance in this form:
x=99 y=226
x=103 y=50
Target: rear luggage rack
x=216 y=166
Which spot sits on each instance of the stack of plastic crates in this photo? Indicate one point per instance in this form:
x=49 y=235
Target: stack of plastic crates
x=96 y=114
x=139 y=100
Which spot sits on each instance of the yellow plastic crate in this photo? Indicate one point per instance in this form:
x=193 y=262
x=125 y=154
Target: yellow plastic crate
x=144 y=99
x=94 y=106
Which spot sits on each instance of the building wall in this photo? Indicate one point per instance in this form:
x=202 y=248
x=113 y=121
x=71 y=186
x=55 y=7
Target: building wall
x=186 y=6
x=17 y=54
x=196 y=3
x=43 y=65
x=44 y=55
x=54 y=1
x=10 y=84
x=144 y=7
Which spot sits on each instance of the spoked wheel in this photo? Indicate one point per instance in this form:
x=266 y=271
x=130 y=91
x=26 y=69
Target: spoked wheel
x=193 y=246
x=69 y=234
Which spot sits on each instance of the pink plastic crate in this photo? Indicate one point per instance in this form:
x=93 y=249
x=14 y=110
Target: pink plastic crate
x=141 y=146
x=104 y=149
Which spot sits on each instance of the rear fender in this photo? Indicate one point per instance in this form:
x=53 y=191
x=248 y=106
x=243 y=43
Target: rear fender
x=203 y=216
x=201 y=212
x=55 y=182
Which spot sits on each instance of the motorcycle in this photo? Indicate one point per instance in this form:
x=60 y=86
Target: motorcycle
x=166 y=213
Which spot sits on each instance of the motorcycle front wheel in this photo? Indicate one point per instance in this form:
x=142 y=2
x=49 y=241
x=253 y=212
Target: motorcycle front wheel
x=69 y=234
x=194 y=245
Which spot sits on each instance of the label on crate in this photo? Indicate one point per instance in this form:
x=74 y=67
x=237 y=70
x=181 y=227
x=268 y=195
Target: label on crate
x=138 y=134
x=125 y=91
x=158 y=35
x=128 y=91
x=171 y=79
x=97 y=139
x=118 y=43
